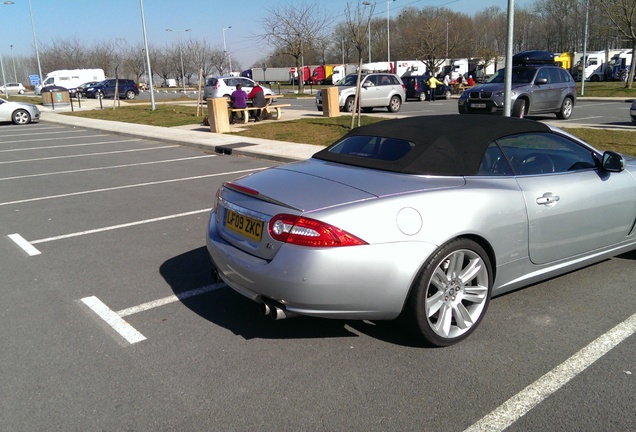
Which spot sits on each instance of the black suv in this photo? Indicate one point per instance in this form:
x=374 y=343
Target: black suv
x=538 y=86
x=125 y=87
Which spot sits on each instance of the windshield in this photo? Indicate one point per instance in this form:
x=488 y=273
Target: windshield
x=349 y=80
x=520 y=75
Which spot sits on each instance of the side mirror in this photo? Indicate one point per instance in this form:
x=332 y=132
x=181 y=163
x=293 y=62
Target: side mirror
x=540 y=81
x=613 y=162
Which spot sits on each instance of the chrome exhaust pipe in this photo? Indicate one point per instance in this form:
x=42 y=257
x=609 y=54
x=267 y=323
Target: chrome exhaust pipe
x=275 y=311
x=265 y=308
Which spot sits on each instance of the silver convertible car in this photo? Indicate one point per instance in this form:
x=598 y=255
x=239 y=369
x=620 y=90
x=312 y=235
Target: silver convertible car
x=422 y=218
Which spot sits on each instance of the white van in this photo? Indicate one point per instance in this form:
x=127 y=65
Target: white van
x=71 y=78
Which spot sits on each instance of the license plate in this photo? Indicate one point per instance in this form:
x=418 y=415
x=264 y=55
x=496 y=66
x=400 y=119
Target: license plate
x=244 y=225
x=478 y=105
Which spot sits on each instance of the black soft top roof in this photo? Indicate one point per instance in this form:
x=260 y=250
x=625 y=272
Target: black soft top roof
x=443 y=145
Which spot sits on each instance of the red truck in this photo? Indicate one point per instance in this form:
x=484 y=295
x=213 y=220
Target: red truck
x=306 y=75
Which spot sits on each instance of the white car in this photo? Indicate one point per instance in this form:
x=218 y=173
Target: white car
x=224 y=86
x=19 y=113
x=12 y=88
x=377 y=90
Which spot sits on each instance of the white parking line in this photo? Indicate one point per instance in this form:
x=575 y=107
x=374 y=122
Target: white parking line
x=65 y=145
x=47 y=133
x=87 y=154
x=105 y=167
x=519 y=405
x=114 y=227
x=170 y=299
x=116 y=321
x=125 y=187
x=127 y=331
x=25 y=245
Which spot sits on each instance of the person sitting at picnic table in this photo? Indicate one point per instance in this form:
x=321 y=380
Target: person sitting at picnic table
x=258 y=100
x=239 y=100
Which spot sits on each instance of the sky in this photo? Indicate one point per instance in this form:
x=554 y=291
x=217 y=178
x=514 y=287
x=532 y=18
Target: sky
x=96 y=21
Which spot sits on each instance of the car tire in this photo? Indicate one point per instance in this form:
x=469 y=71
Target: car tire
x=21 y=117
x=99 y=94
x=21 y=92
x=422 y=97
x=451 y=294
x=349 y=104
x=566 y=109
x=130 y=95
x=394 y=104
x=319 y=108
x=519 y=108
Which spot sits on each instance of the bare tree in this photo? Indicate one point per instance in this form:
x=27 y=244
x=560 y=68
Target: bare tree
x=294 y=28
x=622 y=14
x=135 y=61
x=219 y=61
x=357 y=22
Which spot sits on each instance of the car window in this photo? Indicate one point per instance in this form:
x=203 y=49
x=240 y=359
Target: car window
x=555 y=77
x=565 y=77
x=520 y=75
x=371 y=80
x=543 y=73
x=387 y=149
x=349 y=80
x=542 y=153
x=494 y=162
x=386 y=80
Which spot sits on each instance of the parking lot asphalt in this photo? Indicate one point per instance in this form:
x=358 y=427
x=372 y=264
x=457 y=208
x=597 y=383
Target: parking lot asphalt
x=198 y=136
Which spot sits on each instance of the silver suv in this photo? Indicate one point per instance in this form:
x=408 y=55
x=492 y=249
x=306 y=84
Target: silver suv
x=224 y=86
x=538 y=87
x=376 y=90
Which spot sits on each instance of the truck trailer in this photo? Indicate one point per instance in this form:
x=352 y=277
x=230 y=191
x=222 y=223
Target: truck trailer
x=267 y=75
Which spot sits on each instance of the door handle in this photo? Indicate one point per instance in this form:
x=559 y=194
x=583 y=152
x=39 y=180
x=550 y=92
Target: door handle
x=548 y=199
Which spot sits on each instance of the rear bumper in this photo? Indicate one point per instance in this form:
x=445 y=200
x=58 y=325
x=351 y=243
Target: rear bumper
x=357 y=282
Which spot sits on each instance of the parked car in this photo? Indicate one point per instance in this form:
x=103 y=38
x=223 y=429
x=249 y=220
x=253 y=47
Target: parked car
x=224 y=86
x=416 y=88
x=632 y=112
x=126 y=89
x=12 y=88
x=403 y=218
x=79 y=90
x=19 y=113
x=538 y=87
x=377 y=90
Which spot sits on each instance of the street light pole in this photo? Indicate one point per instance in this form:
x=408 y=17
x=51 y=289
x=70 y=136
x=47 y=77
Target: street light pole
x=366 y=3
x=15 y=75
x=388 y=35
x=35 y=41
x=4 y=79
x=149 y=71
x=225 y=53
x=181 y=56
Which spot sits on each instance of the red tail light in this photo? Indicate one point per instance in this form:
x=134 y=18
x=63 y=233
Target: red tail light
x=303 y=231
